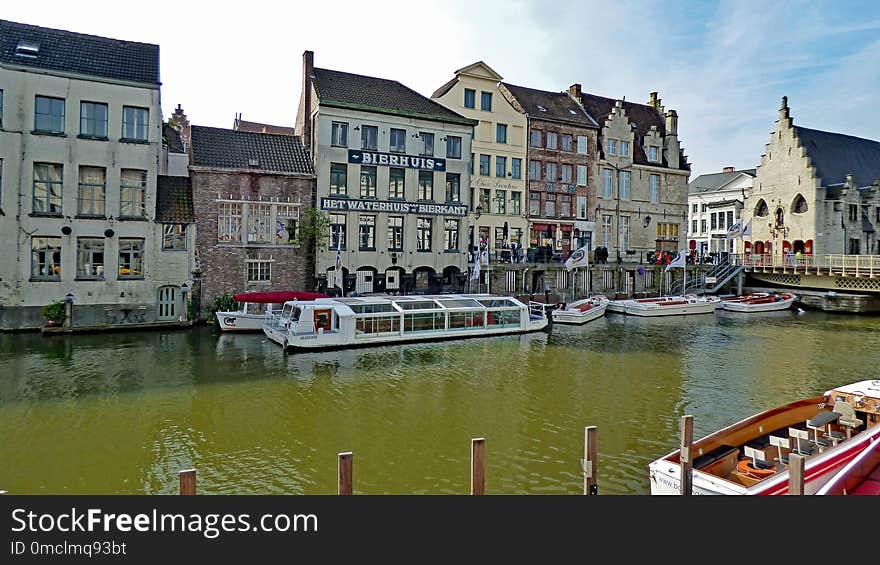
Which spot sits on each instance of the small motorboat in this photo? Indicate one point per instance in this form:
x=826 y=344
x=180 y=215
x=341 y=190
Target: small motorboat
x=581 y=311
x=673 y=306
x=254 y=306
x=619 y=306
x=759 y=302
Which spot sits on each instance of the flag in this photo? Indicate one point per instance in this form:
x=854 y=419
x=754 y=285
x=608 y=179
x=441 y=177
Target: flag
x=484 y=257
x=475 y=272
x=337 y=267
x=578 y=258
x=679 y=260
x=735 y=230
x=747 y=230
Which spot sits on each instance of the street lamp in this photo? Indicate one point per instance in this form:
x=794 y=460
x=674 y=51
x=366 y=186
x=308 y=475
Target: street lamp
x=68 y=318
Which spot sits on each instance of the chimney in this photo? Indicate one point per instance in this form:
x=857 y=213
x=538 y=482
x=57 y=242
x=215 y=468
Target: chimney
x=653 y=101
x=783 y=111
x=727 y=170
x=575 y=91
x=182 y=125
x=308 y=75
x=672 y=122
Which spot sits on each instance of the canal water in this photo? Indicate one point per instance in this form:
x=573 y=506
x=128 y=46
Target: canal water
x=123 y=413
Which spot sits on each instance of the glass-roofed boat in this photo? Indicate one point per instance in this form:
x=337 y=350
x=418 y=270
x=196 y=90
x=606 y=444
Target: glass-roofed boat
x=357 y=321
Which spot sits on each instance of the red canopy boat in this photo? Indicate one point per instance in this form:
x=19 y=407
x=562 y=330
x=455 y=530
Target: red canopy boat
x=276 y=297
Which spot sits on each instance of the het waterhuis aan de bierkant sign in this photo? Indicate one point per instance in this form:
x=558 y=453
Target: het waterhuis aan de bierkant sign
x=394 y=207
x=392 y=160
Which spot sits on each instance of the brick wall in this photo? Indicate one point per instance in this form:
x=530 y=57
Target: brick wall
x=223 y=265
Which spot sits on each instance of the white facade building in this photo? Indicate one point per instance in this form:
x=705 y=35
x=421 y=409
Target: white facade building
x=715 y=203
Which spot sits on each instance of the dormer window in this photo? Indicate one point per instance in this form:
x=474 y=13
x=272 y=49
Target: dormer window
x=541 y=108
x=654 y=154
x=27 y=49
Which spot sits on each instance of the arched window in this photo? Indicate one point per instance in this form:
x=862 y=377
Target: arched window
x=780 y=217
x=799 y=206
x=761 y=209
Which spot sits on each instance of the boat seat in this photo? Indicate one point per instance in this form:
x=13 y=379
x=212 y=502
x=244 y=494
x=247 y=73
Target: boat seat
x=780 y=443
x=758 y=458
x=761 y=442
x=802 y=444
x=710 y=457
x=848 y=418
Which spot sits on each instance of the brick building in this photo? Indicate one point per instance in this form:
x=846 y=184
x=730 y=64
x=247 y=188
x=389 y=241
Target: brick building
x=562 y=148
x=250 y=191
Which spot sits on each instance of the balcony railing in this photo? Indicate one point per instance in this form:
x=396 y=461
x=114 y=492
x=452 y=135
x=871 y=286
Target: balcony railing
x=848 y=265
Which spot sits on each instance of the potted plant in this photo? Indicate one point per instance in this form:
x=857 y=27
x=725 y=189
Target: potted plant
x=55 y=313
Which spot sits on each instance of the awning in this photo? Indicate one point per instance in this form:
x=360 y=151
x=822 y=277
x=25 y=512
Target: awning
x=540 y=227
x=566 y=227
x=276 y=297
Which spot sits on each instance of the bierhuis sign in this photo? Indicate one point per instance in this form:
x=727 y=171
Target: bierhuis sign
x=396 y=160
x=392 y=206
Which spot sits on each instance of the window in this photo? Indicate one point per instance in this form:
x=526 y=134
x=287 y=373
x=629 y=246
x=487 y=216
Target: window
x=286 y=223
x=515 y=202
x=89 y=258
x=565 y=206
x=499 y=237
x=566 y=173
x=853 y=212
x=582 y=207
x=703 y=226
x=714 y=222
x=624 y=232
x=582 y=144
x=534 y=170
x=259 y=270
x=450 y=235
x=729 y=218
x=550 y=205
x=367 y=233
x=1 y=109
x=395 y=233
x=854 y=246
x=423 y=234
x=47 y=189
x=693 y=226
x=667 y=231
x=565 y=139
x=229 y=222
x=486 y=101
x=92 y=189
x=654 y=154
x=337 y=231
x=551 y=140
x=516 y=168
x=484 y=165
x=259 y=227
x=500 y=166
x=453 y=147
x=552 y=172
x=338 y=179
x=800 y=205
x=132 y=193
x=705 y=207
x=396 y=183
x=397 y=143
x=582 y=175
x=426 y=141
x=368 y=181
x=612 y=147
x=369 y=137
x=174 y=237
x=131 y=258
x=694 y=209
x=501 y=133
x=453 y=187
x=46 y=258
x=500 y=201
x=606 y=183
x=534 y=203
x=49 y=115
x=624 y=148
x=93 y=120
x=654 y=188
x=426 y=185
x=606 y=230
x=134 y=123
x=484 y=199
x=339 y=134
x=624 y=185
x=470 y=97
x=535 y=138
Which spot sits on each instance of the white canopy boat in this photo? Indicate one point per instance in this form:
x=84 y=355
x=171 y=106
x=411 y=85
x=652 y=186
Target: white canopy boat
x=759 y=302
x=672 y=306
x=752 y=456
x=327 y=323
x=581 y=311
x=254 y=307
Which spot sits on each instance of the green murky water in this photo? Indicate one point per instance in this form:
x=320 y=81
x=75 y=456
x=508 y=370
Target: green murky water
x=124 y=413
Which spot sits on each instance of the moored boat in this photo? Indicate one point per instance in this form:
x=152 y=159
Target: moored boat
x=759 y=302
x=581 y=311
x=672 y=306
x=327 y=323
x=861 y=476
x=619 y=306
x=751 y=456
x=254 y=307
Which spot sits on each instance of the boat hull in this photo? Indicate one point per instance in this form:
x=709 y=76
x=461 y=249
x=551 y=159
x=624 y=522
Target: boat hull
x=745 y=306
x=240 y=322
x=669 y=308
x=575 y=317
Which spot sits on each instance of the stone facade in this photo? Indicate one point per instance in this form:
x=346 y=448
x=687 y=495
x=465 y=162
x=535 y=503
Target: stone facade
x=815 y=192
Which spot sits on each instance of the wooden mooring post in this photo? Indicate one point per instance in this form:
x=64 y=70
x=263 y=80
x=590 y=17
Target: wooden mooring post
x=345 y=473
x=796 y=474
x=478 y=466
x=588 y=463
x=188 y=482
x=686 y=456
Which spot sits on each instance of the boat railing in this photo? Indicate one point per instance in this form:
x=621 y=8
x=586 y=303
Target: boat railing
x=536 y=309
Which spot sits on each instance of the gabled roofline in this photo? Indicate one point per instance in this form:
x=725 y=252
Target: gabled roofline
x=464 y=70
x=394 y=112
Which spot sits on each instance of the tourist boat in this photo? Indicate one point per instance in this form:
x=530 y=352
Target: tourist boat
x=254 y=307
x=861 y=476
x=619 y=306
x=327 y=323
x=751 y=456
x=759 y=302
x=581 y=311
x=672 y=306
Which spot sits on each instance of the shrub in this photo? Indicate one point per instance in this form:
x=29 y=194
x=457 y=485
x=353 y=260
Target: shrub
x=224 y=303
x=55 y=311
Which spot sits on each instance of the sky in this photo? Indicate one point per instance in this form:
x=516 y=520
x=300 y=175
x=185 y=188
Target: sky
x=724 y=66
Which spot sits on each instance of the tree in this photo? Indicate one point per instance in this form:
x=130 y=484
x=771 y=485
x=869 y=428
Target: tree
x=314 y=229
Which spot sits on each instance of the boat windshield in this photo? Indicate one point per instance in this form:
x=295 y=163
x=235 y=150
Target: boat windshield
x=296 y=313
